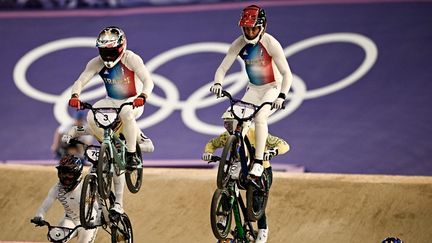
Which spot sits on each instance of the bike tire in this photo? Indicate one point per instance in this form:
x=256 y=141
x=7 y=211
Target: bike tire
x=104 y=172
x=134 y=178
x=122 y=233
x=221 y=208
x=228 y=154
x=87 y=201
x=257 y=198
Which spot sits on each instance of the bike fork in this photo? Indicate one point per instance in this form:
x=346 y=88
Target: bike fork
x=239 y=226
x=247 y=221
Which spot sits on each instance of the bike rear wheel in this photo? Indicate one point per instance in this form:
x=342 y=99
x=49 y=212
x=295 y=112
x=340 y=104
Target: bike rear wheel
x=122 y=232
x=88 y=198
x=221 y=214
x=104 y=172
x=229 y=154
x=257 y=197
x=134 y=178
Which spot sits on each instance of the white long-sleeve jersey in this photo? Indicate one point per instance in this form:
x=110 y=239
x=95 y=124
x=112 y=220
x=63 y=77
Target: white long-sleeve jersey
x=120 y=80
x=70 y=201
x=265 y=62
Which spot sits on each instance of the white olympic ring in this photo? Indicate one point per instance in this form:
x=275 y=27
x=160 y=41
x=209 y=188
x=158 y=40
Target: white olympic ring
x=201 y=97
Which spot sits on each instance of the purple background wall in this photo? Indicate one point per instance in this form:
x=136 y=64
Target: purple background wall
x=379 y=124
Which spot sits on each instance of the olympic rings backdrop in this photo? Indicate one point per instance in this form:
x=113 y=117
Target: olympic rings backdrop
x=360 y=101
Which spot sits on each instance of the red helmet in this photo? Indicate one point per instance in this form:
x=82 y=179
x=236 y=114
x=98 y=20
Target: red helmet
x=111 y=43
x=253 y=16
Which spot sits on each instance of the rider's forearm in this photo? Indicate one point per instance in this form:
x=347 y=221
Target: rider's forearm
x=78 y=131
x=276 y=142
x=221 y=71
x=147 y=89
x=217 y=142
x=56 y=140
x=281 y=63
x=286 y=82
x=209 y=148
x=282 y=147
x=148 y=85
x=47 y=203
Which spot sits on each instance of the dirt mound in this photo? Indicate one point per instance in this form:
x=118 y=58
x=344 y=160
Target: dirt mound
x=173 y=206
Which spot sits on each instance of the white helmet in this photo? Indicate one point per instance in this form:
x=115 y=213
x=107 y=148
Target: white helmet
x=227 y=114
x=111 y=43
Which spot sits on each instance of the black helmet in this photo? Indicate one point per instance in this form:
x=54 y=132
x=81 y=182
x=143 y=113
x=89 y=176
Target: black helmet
x=69 y=171
x=392 y=240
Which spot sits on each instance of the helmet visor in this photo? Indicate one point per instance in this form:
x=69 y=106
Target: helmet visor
x=67 y=178
x=109 y=54
x=230 y=125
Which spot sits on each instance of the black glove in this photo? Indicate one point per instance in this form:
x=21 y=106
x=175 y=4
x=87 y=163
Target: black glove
x=269 y=154
x=38 y=221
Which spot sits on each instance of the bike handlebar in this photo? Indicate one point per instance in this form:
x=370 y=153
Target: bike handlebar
x=76 y=141
x=46 y=223
x=234 y=101
x=85 y=105
x=215 y=158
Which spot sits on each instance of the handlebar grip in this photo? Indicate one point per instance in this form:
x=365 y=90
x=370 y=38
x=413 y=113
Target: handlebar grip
x=85 y=105
x=225 y=93
x=39 y=223
x=125 y=104
x=215 y=158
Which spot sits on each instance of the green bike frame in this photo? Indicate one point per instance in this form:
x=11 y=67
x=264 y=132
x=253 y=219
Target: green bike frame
x=117 y=154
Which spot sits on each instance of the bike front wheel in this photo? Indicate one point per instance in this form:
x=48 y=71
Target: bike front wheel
x=257 y=196
x=88 y=199
x=229 y=154
x=221 y=214
x=121 y=232
x=104 y=172
x=134 y=178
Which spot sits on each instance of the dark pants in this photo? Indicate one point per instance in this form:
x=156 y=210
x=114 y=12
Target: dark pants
x=262 y=222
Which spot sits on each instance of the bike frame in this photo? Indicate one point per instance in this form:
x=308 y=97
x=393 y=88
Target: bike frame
x=110 y=138
x=244 y=144
x=241 y=130
x=239 y=149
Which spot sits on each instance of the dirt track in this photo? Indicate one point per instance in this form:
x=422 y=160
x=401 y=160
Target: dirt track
x=173 y=206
